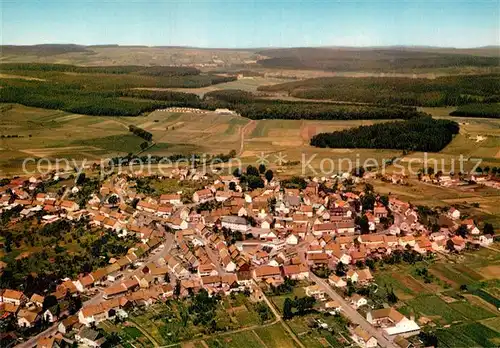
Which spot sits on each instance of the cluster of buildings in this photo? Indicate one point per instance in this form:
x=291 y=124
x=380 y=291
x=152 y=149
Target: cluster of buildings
x=243 y=239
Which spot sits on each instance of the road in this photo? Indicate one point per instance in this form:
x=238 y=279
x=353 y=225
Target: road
x=152 y=257
x=347 y=310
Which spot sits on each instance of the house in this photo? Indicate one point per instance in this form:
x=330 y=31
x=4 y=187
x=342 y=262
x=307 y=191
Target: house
x=67 y=324
x=454 y=213
x=333 y=307
x=49 y=342
x=12 y=296
x=27 y=318
x=203 y=196
x=485 y=240
x=363 y=338
x=69 y=206
x=292 y=239
x=235 y=223
x=358 y=301
x=90 y=337
x=315 y=291
x=336 y=281
x=296 y=272
x=37 y=300
x=267 y=272
x=393 y=322
x=379 y=212
x=458 y=243
x=174 y=199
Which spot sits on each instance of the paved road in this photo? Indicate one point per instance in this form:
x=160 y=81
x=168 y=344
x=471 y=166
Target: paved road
x=352 y=314
x=153 y=257
x=347 y=310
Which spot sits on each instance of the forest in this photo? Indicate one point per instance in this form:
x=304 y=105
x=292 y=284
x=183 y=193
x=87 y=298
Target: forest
x=378 y=60
x=442 y=91
x=118 y=95
x=478 y=110
x=417 y=134
x=124 y=69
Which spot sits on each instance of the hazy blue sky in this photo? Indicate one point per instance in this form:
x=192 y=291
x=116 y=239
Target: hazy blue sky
x=244 y=23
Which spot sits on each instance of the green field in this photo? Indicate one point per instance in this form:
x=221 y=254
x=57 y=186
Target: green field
x=275 y=336
x=468 y=335
x=236 y=340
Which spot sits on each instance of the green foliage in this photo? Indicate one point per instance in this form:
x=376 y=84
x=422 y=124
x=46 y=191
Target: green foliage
x=418 y=134
x=478 y=110
x=140 y=132
x=380 y=60
x=99 y=90
x=124 y=69
x=269 y=175
x=442 y=91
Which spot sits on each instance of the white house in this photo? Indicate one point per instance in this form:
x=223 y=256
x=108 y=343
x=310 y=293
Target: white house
x=235 y=223
x=358 y=301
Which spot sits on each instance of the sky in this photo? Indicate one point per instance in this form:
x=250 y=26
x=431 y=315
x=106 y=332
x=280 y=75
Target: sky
x=245 y=23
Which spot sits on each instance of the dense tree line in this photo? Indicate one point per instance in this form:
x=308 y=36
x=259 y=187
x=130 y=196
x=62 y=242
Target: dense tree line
x=442 y=91
x=119 y=69
x=233 y=96
x=179 y=97
x=478 y=110
x=144 y=134
x=379 y=60
x=278 y=109
x=418 y=134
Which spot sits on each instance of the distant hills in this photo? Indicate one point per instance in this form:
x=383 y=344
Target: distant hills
x=376 y=59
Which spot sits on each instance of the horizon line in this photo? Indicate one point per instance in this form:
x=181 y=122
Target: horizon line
x=253 y=48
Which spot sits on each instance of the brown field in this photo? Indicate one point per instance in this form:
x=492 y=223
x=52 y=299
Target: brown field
x=491 y=272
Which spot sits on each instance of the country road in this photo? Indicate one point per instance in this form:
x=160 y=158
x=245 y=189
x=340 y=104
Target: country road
x=352 y=314
x=242 y=133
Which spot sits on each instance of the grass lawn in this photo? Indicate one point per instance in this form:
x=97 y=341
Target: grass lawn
x=433 y=307
x=492 y=323
x=122 y=143
x=280 y=300
x=275 y=336
x=242 y=339
x=468 y=335
x=313 y=337
x=470 y=311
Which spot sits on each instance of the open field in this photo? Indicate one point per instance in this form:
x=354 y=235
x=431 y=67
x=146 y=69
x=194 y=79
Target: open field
x=59 y=134
x=247 y=84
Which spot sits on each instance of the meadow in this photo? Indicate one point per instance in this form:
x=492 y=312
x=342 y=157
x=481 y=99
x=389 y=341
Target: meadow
x=442 y=306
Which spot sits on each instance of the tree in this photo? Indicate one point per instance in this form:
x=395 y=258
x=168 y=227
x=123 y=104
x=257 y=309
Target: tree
x=287 y=309
x=254 y=182
x=232 y=186
x=340 y=269
x=363 y=223
x=262 y=168
x=80 y=179
x=237 y=172
x=269 y=175
x=488 y=229
x=252 y=171
x=177 y=289
x=391 y=297
x=449 y=245
x=144 y=145
x=462 y=231
x=113 y=199
x=49 y=301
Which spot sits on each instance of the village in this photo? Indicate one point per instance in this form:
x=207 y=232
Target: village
x=227 y=237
